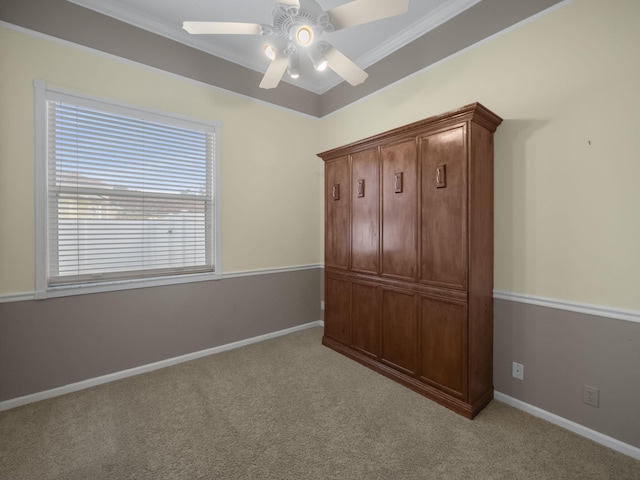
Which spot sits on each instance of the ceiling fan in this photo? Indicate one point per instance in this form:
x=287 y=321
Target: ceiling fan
x=297 y=28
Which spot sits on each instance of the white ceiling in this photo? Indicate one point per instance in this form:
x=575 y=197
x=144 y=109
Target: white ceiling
x=364 y=44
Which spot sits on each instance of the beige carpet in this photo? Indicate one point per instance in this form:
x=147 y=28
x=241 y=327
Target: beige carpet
x=288 y=408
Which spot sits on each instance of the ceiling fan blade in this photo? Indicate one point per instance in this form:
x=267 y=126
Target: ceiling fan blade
x=274 y=73
x=344 y=67
x=225 y=28
x=365 y=11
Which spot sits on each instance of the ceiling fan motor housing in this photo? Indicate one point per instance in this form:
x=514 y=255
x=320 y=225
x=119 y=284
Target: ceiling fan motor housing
x=289 y=20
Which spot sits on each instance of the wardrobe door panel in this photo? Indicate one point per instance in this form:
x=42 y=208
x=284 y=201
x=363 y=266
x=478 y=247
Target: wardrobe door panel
x=365 y=318
x=399 y=328
x=337 y=196
x=443 y=345
x=365 y=201
x=337 y=303
x=399 y=210
x=444 y=208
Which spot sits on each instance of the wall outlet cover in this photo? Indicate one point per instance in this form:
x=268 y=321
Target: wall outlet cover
x=591 y=396
x=517 y=371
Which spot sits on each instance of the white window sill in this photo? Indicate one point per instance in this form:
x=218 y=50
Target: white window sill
x=68 y=290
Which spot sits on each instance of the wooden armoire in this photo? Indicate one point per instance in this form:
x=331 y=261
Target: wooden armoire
x=409 y=255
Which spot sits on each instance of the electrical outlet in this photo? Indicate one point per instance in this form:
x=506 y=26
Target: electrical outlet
x=591 y=396
x=517 y=371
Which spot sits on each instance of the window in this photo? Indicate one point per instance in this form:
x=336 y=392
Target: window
x=129 y=193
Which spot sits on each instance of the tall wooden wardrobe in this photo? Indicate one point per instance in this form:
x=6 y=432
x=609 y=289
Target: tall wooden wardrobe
x=409 y=255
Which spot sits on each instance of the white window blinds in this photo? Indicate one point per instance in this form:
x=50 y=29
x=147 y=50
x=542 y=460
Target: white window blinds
x=127 y=197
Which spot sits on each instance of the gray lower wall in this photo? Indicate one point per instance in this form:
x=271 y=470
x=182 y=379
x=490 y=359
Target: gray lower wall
x=50 y=343
x=561 y=351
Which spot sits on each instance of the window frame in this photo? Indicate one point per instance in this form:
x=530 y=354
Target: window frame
x=45 y=92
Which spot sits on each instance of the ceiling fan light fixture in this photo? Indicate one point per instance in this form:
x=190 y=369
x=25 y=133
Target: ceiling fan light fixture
x=322 y=66
x=294 y=66
x=304 y=35
x=270 y=51
x=318 y=59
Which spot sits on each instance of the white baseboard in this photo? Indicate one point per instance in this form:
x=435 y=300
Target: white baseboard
x=92 y=382
x=581 y=430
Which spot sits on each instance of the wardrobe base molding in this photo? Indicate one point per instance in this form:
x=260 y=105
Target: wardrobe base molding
x=458 y=406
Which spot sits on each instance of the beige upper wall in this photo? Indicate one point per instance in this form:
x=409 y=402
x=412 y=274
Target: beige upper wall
x=567 y=210
x=270 y=175
x=567 y=159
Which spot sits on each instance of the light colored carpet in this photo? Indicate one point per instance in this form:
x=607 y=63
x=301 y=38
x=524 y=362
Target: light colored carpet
x=287 y=408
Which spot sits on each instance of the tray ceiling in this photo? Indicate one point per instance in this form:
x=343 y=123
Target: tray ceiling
x=364 y=44
x=149 y=32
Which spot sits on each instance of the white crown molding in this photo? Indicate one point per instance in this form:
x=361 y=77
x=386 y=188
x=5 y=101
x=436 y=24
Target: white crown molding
x=92 y=382
x=581 y=430
x=585 y=308
x=436 y=18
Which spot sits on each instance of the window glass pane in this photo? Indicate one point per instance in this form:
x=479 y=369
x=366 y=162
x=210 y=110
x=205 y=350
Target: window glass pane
x=128 y=197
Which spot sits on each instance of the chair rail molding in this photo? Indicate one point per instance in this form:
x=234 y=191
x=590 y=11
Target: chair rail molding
x=586 y=308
